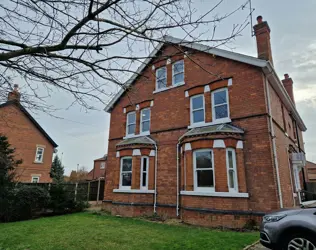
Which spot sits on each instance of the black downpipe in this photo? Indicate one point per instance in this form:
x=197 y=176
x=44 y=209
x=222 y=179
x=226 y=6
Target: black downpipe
x=300 y=150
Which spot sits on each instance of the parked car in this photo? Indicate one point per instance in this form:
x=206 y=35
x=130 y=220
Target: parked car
x=290 y=229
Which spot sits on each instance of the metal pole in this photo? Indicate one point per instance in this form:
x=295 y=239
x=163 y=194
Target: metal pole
x=98 y=191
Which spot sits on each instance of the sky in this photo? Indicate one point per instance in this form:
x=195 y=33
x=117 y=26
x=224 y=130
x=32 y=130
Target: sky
x=83 y=136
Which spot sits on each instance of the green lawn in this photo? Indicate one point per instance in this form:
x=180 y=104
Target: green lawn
x=90 y=231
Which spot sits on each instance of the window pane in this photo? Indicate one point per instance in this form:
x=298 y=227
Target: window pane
x=145 y=126
x=198 y=116
x=221 y=112
x=131 y=118
x=220 y=97
x=204 y=159
x=162 y=83
x=197 y=102
x=231 y=177
x=131 y=129
x=126 y=179
x=179 y=78
x=161 y=73
x=127 y=164
x=145 y=114
x=145 y=164
x=144 y=184
x=230 y=159
x=205 y=178
x=178 y=67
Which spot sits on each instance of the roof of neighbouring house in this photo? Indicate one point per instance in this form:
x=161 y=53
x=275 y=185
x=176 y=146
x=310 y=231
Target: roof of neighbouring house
x=28 y=115
x=137 y=140
x=103 y=158
x=267 y=67
x=219 y=128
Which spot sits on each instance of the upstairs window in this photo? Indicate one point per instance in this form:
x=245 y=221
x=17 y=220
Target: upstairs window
x=39 y=156
x=203 y=170
x=178 y=72
x=131 y=123
x=231 y=170
x=126 y=173
x=220 y=104
x=144 y=172
x=161 y=78
x=102 y=165
x=197 y=109
x=145 y=120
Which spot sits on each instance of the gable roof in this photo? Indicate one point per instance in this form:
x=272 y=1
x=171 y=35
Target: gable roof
x=28 y=115
x=103 y=158
x=266 y=66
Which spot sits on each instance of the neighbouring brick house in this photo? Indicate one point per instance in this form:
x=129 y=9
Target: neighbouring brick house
x=33 y=145
x=205 y=135
x=310 y=171
x=99 y=168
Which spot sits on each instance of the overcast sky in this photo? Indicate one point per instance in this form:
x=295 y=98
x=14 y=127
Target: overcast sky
x=83 y=137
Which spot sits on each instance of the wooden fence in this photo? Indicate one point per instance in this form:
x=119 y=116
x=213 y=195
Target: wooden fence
x=90 y=190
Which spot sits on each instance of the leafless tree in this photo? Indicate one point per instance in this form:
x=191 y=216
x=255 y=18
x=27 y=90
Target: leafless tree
x=88 y=48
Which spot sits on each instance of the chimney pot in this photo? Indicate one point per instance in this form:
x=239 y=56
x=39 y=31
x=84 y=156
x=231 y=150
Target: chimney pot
x=14 y=95
x=286 y=76
x=259 y=19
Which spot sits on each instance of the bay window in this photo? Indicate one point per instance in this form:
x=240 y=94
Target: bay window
x=220 y=104
x=203 y=163
x=231 y=170
x=145 y=120
x=161 y=78
x=131 y=123
x=126 y=173
x=197 y=109
x=178 y=73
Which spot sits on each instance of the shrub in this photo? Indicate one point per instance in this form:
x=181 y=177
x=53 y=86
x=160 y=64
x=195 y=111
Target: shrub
x=24 y=202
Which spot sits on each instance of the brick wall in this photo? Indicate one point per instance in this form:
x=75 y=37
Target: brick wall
x=24 y=136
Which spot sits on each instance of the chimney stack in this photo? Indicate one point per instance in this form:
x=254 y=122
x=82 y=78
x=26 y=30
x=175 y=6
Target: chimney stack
x=262 y=32
x=14 y=95
x=288 y=85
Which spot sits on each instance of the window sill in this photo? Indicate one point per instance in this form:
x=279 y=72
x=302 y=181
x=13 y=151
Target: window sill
x=138 y=135
x=167 y=88
x=204 y=124
x=216 y=194
x=38 y=162
x=135 y=191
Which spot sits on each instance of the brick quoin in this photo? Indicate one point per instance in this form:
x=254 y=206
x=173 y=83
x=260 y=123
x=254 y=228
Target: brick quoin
x=170 y=118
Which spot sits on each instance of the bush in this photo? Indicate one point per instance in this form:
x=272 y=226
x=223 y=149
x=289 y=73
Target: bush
x=24 y=202
x=63 y=201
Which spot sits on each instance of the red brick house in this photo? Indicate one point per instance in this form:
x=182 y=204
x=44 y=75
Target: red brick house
x=33 y=145
x=98 y=170
x=310 y=171
x=206 y=135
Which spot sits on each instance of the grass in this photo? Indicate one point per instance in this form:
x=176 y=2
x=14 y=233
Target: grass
x=91 y=231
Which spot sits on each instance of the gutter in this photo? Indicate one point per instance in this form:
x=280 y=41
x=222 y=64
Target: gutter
x=275 y=157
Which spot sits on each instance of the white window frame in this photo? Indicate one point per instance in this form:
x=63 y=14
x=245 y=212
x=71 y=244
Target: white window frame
x=225 y=119
x=173 y=74
x=121 y=172
x=141 y=121
x=157 y=70
x=191 y=109
x=35 y=177
x=235 y=189
x=297 y=178
x=127 y=115
x=102 y=165
x=203 y=189
x=36 y=153
x=142 y=171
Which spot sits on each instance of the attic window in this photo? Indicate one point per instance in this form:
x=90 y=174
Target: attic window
x=161 y=78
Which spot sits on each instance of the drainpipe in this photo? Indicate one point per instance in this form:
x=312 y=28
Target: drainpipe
x=156 y=166
x=274 y=145
x=178 y=189
x=291 y=175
